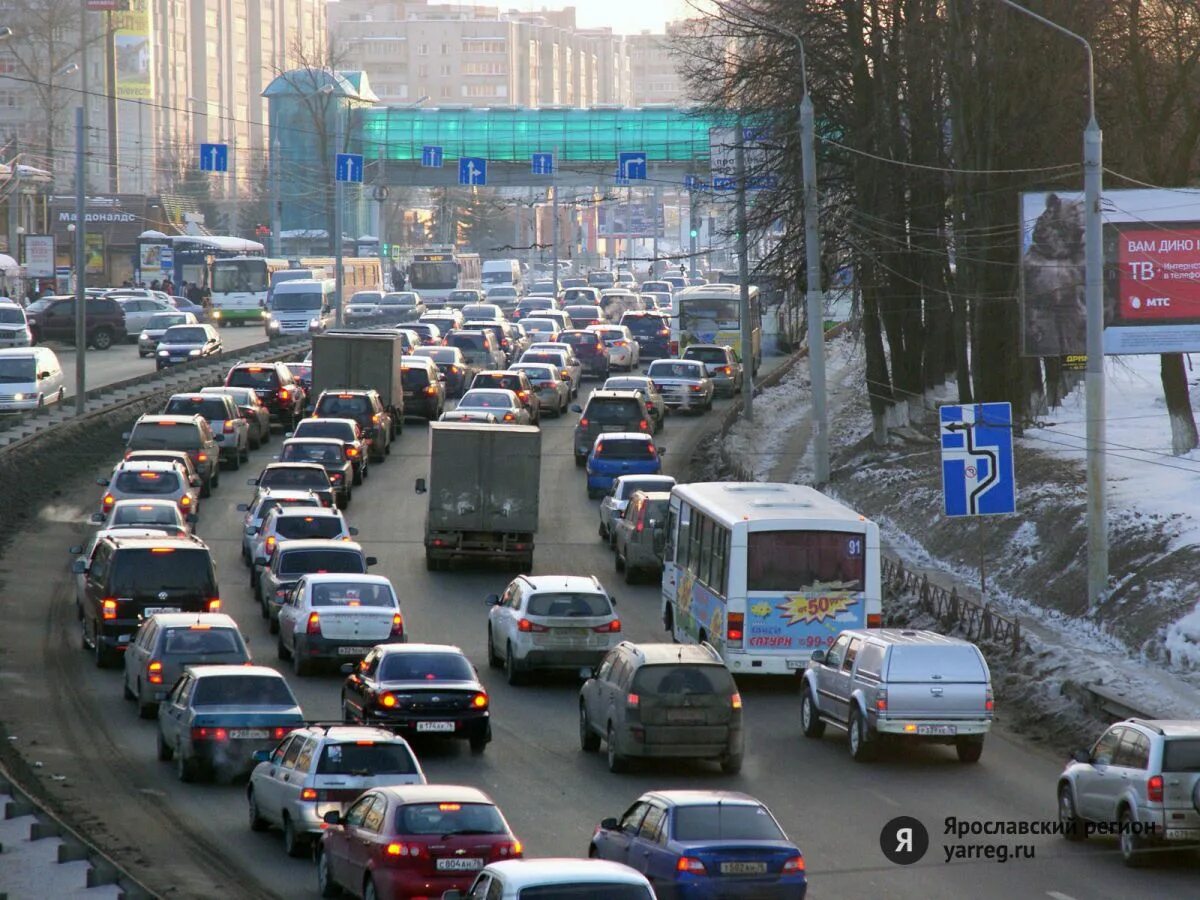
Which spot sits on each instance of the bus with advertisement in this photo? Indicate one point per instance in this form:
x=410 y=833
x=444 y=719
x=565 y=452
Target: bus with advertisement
x=191 y=255
x=239 y=287
x=712 y=314
x=436 y=271
x=767 y=573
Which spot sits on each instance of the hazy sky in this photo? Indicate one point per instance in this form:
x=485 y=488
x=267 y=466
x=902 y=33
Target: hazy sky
x=624 y=16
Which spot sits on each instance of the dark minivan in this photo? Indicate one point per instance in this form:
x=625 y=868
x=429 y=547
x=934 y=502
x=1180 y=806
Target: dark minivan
x=591 y=350
x=651 y=332
x=608 y=411
x=129 y=579
x=280 y=391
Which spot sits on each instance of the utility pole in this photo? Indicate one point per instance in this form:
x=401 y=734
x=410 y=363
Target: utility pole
x=337 y=222
x=693 y=231
x=654 y=226
x=81 y=220
x=815 y=297
x=744 y=279
x=110 y=85
x=276 y=203
x=380 y=193
x=554 y=229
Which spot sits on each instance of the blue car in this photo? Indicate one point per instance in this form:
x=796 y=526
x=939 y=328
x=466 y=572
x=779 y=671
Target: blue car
x=620 y=453
x=704 y=845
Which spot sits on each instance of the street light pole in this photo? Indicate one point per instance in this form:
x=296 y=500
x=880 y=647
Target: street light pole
x=744 y=278
x=1093 y=167
x=81 y=143
x=337 y=221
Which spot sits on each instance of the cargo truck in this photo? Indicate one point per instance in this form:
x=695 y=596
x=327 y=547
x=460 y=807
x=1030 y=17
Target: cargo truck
x=360 y=360
x=483 y=490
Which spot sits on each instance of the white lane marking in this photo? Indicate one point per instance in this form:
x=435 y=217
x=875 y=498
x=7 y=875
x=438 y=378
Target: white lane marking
x=1059 y=896
x=886 y=799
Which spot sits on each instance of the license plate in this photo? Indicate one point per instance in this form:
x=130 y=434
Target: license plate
x=685 y=716
x=152 y=610
x=938 y=730
x=570 y=632
x=743 y=868
x=1183 y=834
x=795 y=664
x=612 y=428
x=435 y=726
x=249 y=733
x=459 y=864
x=353 y=651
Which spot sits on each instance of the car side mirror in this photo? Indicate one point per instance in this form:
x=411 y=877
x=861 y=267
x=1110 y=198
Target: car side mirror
x=347 y=668
x=103 y=482
x=261 y=755
x=372 y=560
x=1082 y=756
x=420 y=486
x=652 y=522
x=492 y=600
x=609 y=824
x=353 y=531
x=75 y=549
x=576 y=408
x=253 y=482
x=243 y=507
x=194 y=481
x=98 y=518
x=219 y=438
x=251 y=531
x=262 y=561
x=333 y=817
x=289 y=434
x=79 y=566
x=42 y=375
x=818 y=656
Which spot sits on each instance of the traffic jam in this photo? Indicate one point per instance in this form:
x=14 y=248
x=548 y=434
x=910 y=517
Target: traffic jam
x=352 y=795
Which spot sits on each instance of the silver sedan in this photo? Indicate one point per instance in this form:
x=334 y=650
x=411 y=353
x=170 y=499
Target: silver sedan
x=501 y=403
x=683 y=383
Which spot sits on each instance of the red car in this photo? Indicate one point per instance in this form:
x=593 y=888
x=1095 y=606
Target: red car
x=412 y=841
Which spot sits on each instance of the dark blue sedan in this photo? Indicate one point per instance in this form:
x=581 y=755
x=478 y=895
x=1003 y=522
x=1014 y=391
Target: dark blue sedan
x=621 y=453
x=704 y=845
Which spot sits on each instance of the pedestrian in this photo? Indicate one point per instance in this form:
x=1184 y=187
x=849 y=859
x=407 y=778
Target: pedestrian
x=154 y=285
x=194 y=294
x=167 y=287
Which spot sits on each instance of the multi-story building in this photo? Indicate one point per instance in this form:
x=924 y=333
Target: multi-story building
x=654 y=70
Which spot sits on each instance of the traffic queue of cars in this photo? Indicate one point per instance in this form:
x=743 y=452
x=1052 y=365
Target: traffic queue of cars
x=354 y=795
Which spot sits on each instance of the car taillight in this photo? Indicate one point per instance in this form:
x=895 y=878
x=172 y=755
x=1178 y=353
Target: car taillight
x=387 y=700
x=881 y=700
x=270 y=544
x=214 y=604
x=989 y=701
x=310 y=794
x=210 y=734
x=1154 y=788
x=734 y=628
x=644 y=425
x=793 y=865
x=566 y=374
x=454 y=370
x=431 y=390
x=375 y=418
x=530 y=627
x=314 y=623
x=874 y=620
x=633 y=701
x=509 y=417
x=509 y=850
x=696 y=387
x=405 y=850
x=184 y=502
x=228 y=429
x=611 y=628
x=735 y=700
x=280 y=732
x=154 y=670
x=284 y=393
x=397 y=625
x=583 y=423
x=691 y=865
x=480 y=701
x=201 y=457
x=108 y=608
x=727 y=370
x=674 y=347
x=351 y=452
x=335 y=476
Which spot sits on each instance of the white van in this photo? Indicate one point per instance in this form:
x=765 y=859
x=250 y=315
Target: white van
x=502 y=273
x=30 y=377
x=303 y=306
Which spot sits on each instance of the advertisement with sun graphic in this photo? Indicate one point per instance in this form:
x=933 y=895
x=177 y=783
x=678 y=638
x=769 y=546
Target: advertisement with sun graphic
x=809 y=619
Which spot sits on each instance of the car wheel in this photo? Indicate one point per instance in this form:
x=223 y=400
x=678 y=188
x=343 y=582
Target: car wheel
x=246 y=450
x=603 y=531
x=126 y=692
x=325 y=883
x=294 y=845
x=594 y=494
x=102 y=656
x=589 y=741
x=165 y=753
x=206 y=489
x=1133 y=846
x=272 y=624
x=369 y=892
x=146 y=710
x=301 y=666
x=493 y=659
x=347 y=712
x=185 y=770
x=616 y=762
x=731 y=764
x=262 y=602
x=236 y=462
x=1072 y=824
x=669 y=624
x=630 y=574
x=281 y=651
x=618 y=562
x=102 y=338
x=478 y=742
x=257 y=822
x=511 y=672
x=358 y=476
x=810 y=721
x=969 y=750
x=861 y=749
x=216 y=477
x=580 y=461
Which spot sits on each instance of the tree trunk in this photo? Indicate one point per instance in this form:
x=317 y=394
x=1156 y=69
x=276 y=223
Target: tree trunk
x=1179 y=404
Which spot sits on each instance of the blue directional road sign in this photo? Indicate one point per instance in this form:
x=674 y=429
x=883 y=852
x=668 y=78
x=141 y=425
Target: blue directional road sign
x=214 y=157
x=543 y=164
x=472 y=170
x=977 y=459
x=349 y=167
x=431 y=157
x=166 y=257
x=632 y=166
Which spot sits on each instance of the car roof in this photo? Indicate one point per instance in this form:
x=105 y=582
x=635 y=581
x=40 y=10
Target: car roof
x=624 y=436
x=290 y=463
x=174 y=541
x=687 y=797
x=435 y=793
x=181 y=620
x=287 y=493
x=1170 y=727
x=612 y=394
x=420 y=648
x=910 y=636
x=303 y=441
x=355 y=733
x=582 y=584
x=162 y=419
x=327 y=577
x=126 y=502
x=338 y=420
x=318 y=512
x=523 y=873
x=211 y=671
x=643 y=479
x=147 y=465
x=659 y=653
x=706 y=347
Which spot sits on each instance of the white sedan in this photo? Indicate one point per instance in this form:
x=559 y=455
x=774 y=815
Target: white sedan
x=624 y=352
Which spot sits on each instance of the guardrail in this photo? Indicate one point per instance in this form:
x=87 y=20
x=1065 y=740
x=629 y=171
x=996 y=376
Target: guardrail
x=977 y=622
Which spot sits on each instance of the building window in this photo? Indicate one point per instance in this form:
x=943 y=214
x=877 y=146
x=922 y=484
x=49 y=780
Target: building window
x=446 y=92
x=423 y=70
x=422 y=49
x=445 y=49
x=445 y=70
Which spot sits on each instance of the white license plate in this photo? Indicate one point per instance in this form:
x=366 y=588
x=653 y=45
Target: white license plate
x=795 y=664
x=353 y=651
x=570 y=632
x=1183 y=834
x=435 y=726
x=743 y=868
x=152 y=610
x=612 y=428
x=252 y=734
x=938 y=730
x=460 y=864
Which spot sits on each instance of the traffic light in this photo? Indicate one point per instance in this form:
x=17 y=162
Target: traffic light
x=695 y=232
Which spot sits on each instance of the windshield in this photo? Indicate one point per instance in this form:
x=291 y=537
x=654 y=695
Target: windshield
x=10 y=315
x=725 y=822
x=254 y=377
x=243 y=690
x=449 y=818
x=425 y=667
x=625 y=449
x=677 y=678
x=184 y=334
x=613 y=412
x=399 y=299
x=300 y=527
x=412 y=378
x=297 y=300
x=166 y=435
x=540 y=374
x=568 y=604
x=163 y=321
x=710 y=314
x=433 y=274
x=305 y=562
x=508 y=382
x=298 y=477
x=145 y=514
x=338 y=406
x=239 y=275
x=196 y=406
x=147 y=482
x=16 y=369
x=352 y=593
x=202 y=642
x=464 y=296
x=366 y=759
x=318 y=453
x=793 y=560
x=440 y=355
x=150 y=571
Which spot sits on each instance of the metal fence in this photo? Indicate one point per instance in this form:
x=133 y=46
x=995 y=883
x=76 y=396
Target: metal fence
x=977 y=622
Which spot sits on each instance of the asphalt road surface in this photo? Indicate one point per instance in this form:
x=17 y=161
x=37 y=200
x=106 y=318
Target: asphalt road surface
x=193 y=840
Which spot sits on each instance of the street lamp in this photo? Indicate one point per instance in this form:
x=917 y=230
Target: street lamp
x=1093 y=141
x=328 y=91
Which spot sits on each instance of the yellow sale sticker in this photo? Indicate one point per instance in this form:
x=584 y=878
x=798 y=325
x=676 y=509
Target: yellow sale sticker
x=798 y=608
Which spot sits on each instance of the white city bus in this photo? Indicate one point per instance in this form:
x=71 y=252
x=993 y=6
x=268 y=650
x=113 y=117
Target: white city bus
x=767 y=573
x=239 y=286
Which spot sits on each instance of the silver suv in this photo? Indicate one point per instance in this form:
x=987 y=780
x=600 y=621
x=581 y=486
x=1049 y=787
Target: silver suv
x=1141 y=780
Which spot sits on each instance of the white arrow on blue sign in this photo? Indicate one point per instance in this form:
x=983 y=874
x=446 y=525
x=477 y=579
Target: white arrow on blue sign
x=977 y=459
x=349 y=167
x=632 y=166
x=543 y=164
x=214 y=157
x=472 y=170
x=431 y=157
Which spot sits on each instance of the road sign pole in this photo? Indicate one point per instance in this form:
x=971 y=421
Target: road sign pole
x=693 y=227
x=337 y=225
x=654 y=234
x=554 y=225
x=80 y=261
x=815 y=297
x=1094 y=379
x=744 y=280
x=276 y=206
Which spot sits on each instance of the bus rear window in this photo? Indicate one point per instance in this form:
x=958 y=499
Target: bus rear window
x=795 y=560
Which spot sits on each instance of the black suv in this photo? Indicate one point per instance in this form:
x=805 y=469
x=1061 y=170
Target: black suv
x=518 y=382
x=189 y=434
x=56 y=322
x=128 y=579
x=652 y=333
x=591 y=350
x=424 y=391
x=330 y=455
x=365 y=408
x=276 y=386
x=608 y=411
x=296 y=477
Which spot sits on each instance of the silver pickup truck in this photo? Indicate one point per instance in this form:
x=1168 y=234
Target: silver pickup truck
x=885 y=684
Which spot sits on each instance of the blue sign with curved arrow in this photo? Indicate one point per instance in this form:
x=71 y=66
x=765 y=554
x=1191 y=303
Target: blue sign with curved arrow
x=977 y=459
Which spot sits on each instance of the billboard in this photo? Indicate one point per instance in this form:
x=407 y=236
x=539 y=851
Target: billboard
x=39 y=255
x=1151 y=272
x=132 y=47
x=630 y=220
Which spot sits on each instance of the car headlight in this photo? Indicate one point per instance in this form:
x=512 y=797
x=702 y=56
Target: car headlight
x=195 y=352
x=273 y=324
x=144 y=336
x=216 y=314
x=18 y=397
x=164 y=353
x=265 y=314
x=314 y=323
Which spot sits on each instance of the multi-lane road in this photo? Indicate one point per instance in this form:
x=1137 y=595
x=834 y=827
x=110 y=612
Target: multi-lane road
x=194 y=839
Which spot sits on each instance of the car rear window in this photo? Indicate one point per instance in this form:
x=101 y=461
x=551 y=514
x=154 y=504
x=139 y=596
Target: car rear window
x=202 y=641
x=676 y=678
x=1181 y=755
x=675 y=370
x=208 y=407
x=147 y=482
x=300 y=527
x=584 y=890
x=466 y=341
x=164 y=436
x=141 y=571
x=449 y=818
x=705 y=354
x=414 y=378
x=285 y=477
x=366 y=758
x=315 y=428
x=306 y=562
x=574 y=605
x=150 y=514
x=271 y=502
x=625 y=450
x=343 y=406
x=582 y=341
x=611 y=412
x=349 y=594
x=657 y=510
x=425 y=667
x=317 y=453
x=909 y=663
x=725 y=822
x=644 y=325
x=242 y=690
x=254 y=378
